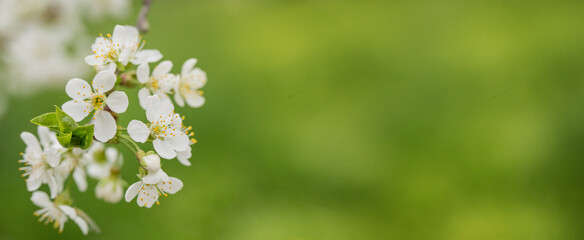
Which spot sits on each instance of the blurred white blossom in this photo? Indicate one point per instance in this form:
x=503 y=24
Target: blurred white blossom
x=42 y=42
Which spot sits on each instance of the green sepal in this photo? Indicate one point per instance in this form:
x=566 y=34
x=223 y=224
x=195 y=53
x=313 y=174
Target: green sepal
x=66 y=122
x=47 y=120
x=82 y=136
x=64 y=139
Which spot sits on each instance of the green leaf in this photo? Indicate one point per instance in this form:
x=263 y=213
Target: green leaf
x=66 y=122
x=47 y=120
x=82 y=136
x=64 y=139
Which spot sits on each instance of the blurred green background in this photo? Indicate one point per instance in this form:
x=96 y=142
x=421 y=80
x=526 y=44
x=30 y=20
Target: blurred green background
x=354 y=120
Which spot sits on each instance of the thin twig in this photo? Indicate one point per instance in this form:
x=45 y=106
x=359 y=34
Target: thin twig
x=142 y=23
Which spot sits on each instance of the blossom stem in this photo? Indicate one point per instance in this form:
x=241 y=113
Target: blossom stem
x=142 y=24
x=128 y=145
x=126 y=140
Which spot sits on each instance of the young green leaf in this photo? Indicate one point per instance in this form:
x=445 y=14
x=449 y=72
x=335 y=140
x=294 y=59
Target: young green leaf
x=64 y=139
x=47 y=120
x=66 y=122
x=82 y=136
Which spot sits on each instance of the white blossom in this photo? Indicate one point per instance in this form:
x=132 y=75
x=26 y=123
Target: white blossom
x=148 y=193
x=123 y=46
x=58 y=214
x=101 y=160
x=191 y=80
x=110 y=189
x=40 y=160
x=73 y=162
x=105 y=165
x=86 y=101
x=37 y=58
x=164 y=127
x=160 y=83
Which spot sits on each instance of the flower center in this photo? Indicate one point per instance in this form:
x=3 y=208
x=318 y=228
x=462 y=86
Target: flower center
x=97 y=101
x=154 y=83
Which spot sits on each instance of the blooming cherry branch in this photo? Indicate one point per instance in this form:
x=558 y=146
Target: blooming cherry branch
x=72 y=146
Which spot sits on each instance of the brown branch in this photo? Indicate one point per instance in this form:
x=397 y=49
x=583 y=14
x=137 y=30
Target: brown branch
x=142 y=23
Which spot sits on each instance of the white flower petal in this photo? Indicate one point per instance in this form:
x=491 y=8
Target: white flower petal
x=184 y=156
x=77 y=109
x=132 y=191
x=78 y=89
x=179 y=141
x=155 y=177
x=105 y=126
x=52 y=156
x=172 y=186
x=117 y=101
x=80 y=179
x=33 y=184
x=143 y=73
x=195 y=100
x=93 y=60
x=120 y=34
x=71 y=213
x=164 y=149
x=110 y=67
x=98 y=171
x=54 y=186
x=46 y=136
x=179 y=99
x=147 y=56
x=147 y=196
x=200 y=78
x=112 y=154
x=32 y=143
x=104 y=81
x=41 y=199
x=162 y=68
x=143 y=94
x=153 y=108
x=138 y=131
x=188 y=66
x=167 y=108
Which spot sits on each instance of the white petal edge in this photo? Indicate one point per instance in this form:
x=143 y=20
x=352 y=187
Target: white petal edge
x=77 y=109
x=188 y=66
x=162 y=68
x=31 y=142
x=78 y=89
x=143 y=72
x=117 y=101
x=147 y=56
x=138 y=131
x=172 y=186
x=41 y=199
x=180 y=142
x=105 y=126
x=178 y=98
x=155 y=177
x=71 y=213
x=184 y=156
x=132 y=191
x=195 y=100
x=164 y=149
x=80 y=179
x=143 y=94
x=153 y=108
x=104 y=81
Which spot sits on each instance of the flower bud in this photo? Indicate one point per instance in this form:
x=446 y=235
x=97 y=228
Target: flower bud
x=151 y=162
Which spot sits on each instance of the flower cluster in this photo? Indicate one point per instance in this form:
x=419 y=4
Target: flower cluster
x=79 y=139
